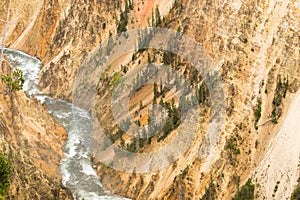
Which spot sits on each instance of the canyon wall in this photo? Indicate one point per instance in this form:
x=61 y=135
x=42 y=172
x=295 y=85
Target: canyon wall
x=253 y=44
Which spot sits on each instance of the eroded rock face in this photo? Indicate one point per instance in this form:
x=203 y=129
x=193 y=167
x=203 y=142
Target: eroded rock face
x=253 y=49
x=30 y=138
x=252 y=43
x=32 y=143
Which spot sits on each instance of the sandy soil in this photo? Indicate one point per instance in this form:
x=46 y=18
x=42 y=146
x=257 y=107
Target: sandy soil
x=280 y=165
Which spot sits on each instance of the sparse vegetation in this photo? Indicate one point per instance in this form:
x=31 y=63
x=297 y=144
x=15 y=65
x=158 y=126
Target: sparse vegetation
x=13 y=82
x=257 y=113
x=130 y=4
x=296 y=193
x=210 y=192
x=123 y=22
x=232 y=148
x=246 y=192
x=184 y=173
x=203 y=93
x=116 y=76
x=5 y=171
x=157 y=16
x=114 y=137
x=174 y=111
x=173 y=120
x=280 y=92
x=256 y=144
x=276 y=187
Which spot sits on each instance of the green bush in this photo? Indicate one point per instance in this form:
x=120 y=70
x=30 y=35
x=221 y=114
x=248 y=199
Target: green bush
x=14 y=82
x=5 y=171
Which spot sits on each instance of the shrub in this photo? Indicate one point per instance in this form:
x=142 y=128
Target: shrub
x=5 y=171
x=14 y=82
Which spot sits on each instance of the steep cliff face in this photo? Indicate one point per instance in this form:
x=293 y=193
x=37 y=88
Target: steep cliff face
x=254 y=44
x=256 y=47
x=81 y=27
x=57 y=32
x=32 y=143
x=30 y=138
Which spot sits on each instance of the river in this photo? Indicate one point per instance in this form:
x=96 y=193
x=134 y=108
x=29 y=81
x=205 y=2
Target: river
x=76 y=168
